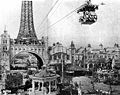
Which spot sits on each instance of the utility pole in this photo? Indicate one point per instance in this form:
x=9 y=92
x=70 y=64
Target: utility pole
x=110 y=80
x=84 y=58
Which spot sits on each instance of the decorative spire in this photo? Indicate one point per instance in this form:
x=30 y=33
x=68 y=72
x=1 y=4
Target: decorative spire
x=26 y=30
x=5 y=29
x=72 y=44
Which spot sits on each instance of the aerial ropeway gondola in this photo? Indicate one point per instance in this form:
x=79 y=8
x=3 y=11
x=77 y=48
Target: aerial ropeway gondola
x=88 y=13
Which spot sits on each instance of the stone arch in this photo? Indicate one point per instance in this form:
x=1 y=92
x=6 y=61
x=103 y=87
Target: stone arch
x=40 y=59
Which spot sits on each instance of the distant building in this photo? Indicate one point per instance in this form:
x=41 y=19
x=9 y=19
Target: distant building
x=59 y=56
x=59 y=53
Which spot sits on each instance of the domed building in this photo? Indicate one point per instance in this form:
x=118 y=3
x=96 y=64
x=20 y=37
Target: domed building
x=44 y=83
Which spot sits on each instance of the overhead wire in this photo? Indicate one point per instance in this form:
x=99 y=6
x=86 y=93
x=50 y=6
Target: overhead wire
x=49 y=12
x=63 y=18
x=56 y=8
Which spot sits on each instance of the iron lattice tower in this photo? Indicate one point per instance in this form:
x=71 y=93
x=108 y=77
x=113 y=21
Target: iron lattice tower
x=27 y=30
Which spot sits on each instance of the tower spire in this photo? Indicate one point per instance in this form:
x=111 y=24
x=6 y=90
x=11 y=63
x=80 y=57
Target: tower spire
x=5 y=29
x=26 y=30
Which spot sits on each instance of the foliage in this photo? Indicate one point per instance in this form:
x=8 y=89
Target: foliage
x=13 y=80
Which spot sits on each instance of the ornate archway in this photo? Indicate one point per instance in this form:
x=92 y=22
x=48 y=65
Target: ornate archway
x=40 y=61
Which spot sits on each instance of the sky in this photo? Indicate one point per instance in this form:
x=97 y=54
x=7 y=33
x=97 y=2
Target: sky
x=106 y=30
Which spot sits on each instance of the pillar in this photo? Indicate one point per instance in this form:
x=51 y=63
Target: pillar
x=49 y=87
x=87 y=66
x=61 y=56
x=52 y=58
x=55 y=84
x=39 y=85
x=33 y=86
x=42 y=86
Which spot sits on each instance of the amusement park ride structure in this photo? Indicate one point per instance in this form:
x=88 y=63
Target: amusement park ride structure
x=88 y=16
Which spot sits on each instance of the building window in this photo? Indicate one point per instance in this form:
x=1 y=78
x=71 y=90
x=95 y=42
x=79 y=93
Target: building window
x=4 y=41
x=85 y=65
x=4 y=36
x=0 y=77
x=55 y=57
x=4 y=48
x=50 y=58
x=59 y=56
x=68 y=57
x=53 y=83
x=90 y=65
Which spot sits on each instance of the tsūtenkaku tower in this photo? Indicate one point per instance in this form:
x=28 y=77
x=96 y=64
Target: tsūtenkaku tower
x=27 y=40
x=27 y=31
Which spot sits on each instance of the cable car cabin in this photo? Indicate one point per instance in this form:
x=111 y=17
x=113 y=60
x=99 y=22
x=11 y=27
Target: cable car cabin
x=89 y=16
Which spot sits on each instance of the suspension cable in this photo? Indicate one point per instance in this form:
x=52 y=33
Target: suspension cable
x=49 y=12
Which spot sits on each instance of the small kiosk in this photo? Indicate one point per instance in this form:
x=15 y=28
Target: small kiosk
x=44 y=83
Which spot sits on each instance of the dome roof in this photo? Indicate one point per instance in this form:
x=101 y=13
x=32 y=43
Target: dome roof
x=82 y=79
x=84 y=82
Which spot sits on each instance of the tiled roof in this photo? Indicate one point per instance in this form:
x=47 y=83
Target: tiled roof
x=44 y=74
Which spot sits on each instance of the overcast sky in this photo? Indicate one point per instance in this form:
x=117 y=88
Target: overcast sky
x=106 y=30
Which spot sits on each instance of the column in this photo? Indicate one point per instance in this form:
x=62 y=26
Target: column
x=49 y=87
x=61 y=56
x=52 y=58
x=39 y=85
x=87 y=66
x=42 y=86
x=33 y=86
x=55 y=84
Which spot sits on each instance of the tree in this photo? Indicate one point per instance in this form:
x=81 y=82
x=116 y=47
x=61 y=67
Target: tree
x=13 y=81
